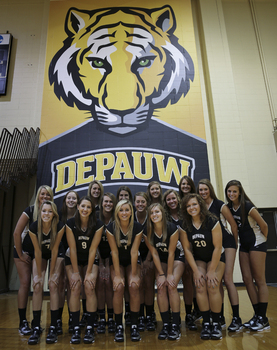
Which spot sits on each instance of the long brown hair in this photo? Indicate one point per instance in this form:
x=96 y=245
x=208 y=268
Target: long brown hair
x=149 y=194
x=209 y=185
x=166 y=208
x=150 y=224
x=92 y=217
x=64 y=207
x=191 y=184
x=54 y=223
x=112 y=197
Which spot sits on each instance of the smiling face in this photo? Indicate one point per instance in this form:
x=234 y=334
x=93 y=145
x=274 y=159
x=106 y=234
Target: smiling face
x=140 y=204
x=156 y=215
x=233 y=194
x=155 y=191
x=85 y=208
x=124 y=213
x=44 y=196
x=204 y=191
x=123 y=195
x=185 y=187
x=172 y=201
x=95 y=191
x=47 y=213
x=107 y=204
x=71 y=200
x=193 y=208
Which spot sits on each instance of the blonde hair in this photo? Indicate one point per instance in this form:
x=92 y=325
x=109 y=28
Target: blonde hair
x=117 y=222
x=54 y=223
x=150 y=224
x=36 y=205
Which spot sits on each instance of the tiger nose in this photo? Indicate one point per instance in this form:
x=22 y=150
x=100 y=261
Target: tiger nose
x=121 y=92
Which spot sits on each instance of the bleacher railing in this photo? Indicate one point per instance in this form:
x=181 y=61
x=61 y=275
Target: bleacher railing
x=18 y=155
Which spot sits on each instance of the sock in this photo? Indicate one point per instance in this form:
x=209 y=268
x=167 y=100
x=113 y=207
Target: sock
x=118 y=319
x=235 y=309
x=216 y=317
x=206 y=316
x=176 y=318
x=84 y=304
x=149 y=310
x=141 y=310
x=91 y=316
x=256 y=308
x=134 y=318
x=54 y=317
x=60 y=313
x=262 y=309
x=188 y=309
x=36 y=320
x=22 y=315
x=75 y=318
x=101 y=313
x=165 y=317
x=110 y=313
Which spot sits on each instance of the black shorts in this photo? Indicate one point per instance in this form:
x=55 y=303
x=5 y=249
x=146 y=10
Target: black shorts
x=15 y=255
x=255 y=248
x=228 y=241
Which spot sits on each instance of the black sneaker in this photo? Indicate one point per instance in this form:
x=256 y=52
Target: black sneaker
x=164 y=332
x=59 y=327
x=196 y=314
x=52 y=335
x=119 y=334
x=101 y=329
x=206 y=331
x=174 y=333
x=35 y=337
x=150 y=325
x=222 y=322
x=190 y=323
x=216 y=333
x=76 y=336
x=127 y=318
x=260 y=324
x=111 y=326
x=251 y=322
x=83 y=321
x=141 y=324
x=89 y=336
x=135 y=336
x=235 y=325
x=24 y=328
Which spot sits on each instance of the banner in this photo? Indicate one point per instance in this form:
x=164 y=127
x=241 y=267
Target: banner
x=122 y=100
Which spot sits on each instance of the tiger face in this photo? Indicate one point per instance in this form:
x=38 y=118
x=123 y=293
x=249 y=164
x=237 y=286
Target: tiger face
x=121 y=64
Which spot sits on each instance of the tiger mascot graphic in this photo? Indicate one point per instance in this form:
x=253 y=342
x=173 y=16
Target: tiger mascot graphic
x=121 y=64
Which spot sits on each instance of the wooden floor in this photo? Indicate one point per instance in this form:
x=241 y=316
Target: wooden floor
x=11 y=339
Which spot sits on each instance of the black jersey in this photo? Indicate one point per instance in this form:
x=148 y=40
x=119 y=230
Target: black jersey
x=82 y=239
x=216 y=208
x=124 y=251
x=162 y=247
x=201 y=240
x=46 y=241
x=250 y=230
x=143 y=250
x=104 y=247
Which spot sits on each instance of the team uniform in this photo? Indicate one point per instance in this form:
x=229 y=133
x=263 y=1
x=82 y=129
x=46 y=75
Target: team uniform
x=228 y=240
x=27 y=245
x=124 y=251
x=250 y=234
x=143 y=250
x=201 y=240
x=104 y=247
x=162 y=247
x=83 y=243
x=46 y=241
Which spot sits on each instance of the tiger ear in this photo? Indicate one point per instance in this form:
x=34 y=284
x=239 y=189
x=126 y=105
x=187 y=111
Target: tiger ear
x=76 y=20
x=164 y=18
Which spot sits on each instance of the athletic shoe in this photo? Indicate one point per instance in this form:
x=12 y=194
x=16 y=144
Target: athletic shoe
x=222 y=322
x=141 y=324
x=89 y=336
x=35 y=337
x=150 y=325
x=190 y=323
x=216 y=333
x=251 y=322
x=206 y=331
x=135 y=336
x=127 y=317
x=260 y=324
x=59 y=327
x=101 y=329
x=83 y=321
x=119 y=334
x=196 y=314
x=111 y=326
x=76 y=336
x=174 y=333
x=52 y=335
x=24 y=328
x=164 y=332
x=235 y=325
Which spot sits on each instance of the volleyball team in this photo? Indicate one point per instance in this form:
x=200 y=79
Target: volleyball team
x=110 y=251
